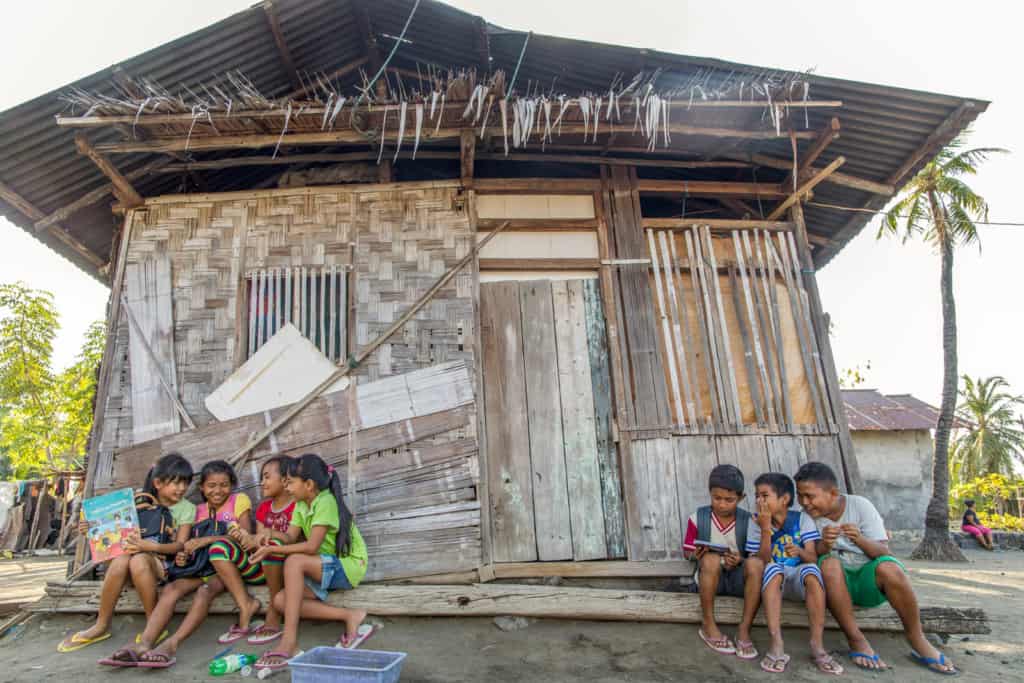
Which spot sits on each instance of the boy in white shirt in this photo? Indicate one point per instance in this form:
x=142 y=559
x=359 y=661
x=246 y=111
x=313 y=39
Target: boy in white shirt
x=858 y=569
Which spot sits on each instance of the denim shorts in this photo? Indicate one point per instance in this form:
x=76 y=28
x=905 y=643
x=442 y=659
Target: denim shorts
x=332 y=578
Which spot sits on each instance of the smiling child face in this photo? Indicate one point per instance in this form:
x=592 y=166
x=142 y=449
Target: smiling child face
x=216 y=489
x=817 y=499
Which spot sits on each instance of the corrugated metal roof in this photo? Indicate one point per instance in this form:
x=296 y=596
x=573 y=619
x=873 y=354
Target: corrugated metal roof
x=887 y=133
x=870 y=410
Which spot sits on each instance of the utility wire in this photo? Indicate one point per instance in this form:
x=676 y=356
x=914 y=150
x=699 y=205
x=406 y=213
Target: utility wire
x=838 y=207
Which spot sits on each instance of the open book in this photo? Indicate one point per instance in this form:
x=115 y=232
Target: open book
x=112 y=518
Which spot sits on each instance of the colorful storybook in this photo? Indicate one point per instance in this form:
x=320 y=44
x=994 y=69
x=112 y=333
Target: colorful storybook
x=112 y=518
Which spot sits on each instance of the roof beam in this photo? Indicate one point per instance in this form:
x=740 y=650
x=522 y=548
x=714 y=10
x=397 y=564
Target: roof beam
x=709 y=188
x=806 y=187
x=32 y=212
x=837 y=178
x=939 y=138
x=97 y=195
x=121 y=186
x=829 y=133
x=282 y=45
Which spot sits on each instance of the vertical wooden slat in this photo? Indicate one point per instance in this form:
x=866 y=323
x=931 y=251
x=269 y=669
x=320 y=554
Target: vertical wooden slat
x=323 y=311
x=253 y=301
x=761 y=239
x=279 y=300
x=547 y=450
x=755 y=331
x=611 y=491
x=671 y=347
x=690 y=350
x=657 y=500
x=261 y=308
x=333 y=288
x=730 y=366
x=272 y=305
x=289 y=306
x=303 y=303
x=748 y=353
x=720 y=403
x=785 y=453
x=510 y=476
x=695 y=458
x=680 y=348
x=311 y=312
x=583 y=476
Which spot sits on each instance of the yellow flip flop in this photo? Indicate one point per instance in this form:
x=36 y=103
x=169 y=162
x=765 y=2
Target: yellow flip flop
x=77 y=643
x=162 y=638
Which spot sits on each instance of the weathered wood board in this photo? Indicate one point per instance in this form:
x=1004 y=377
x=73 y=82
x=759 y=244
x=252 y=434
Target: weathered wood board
x=544 y=416
x=148 y=292
x=508 y=438
x=785 y=453
x=748 y=453
x=826 y=449
x=696 y=456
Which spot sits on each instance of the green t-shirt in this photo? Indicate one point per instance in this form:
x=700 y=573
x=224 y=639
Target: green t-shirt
x=183 y=512
x=323 y=511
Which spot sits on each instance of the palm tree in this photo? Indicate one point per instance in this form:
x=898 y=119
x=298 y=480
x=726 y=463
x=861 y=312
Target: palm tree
x=940 y=207
x=993 y=438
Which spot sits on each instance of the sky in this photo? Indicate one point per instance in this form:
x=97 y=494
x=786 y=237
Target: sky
x=882 y=295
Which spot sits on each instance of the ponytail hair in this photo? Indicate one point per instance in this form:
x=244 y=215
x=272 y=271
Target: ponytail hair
x=312 y=467
x=170 y=468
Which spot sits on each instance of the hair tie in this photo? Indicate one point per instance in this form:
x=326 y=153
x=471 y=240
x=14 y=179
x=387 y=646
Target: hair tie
x=330 y=469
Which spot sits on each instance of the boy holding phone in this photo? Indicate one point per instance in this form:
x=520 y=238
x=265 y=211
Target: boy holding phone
x=854 y=559
x=715 y=537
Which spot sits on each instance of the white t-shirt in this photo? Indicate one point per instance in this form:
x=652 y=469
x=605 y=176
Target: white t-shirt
x=859 y=511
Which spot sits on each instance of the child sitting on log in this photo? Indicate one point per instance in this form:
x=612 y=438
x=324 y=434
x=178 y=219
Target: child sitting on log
x=145 y=560
x=854 y=559
x=332 y=556
x=784 y=540
x=973 y=526
x=716 y=535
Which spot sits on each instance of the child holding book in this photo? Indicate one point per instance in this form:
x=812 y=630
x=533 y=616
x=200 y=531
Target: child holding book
x=716 y=536
x=858 y=570
x=145 y=560
x=332 y=557
x=784 y=540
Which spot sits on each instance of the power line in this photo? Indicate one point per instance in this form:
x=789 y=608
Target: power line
x=838 y=207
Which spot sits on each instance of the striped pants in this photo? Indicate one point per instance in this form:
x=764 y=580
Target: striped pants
x=252 y=572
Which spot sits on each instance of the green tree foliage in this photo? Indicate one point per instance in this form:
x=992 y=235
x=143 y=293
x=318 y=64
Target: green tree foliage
x=938 y=206
x=45 y=415
x=851 y=378
x=993 y=439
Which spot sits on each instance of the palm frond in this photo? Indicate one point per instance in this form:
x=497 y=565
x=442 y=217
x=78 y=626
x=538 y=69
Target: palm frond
x=967 y=162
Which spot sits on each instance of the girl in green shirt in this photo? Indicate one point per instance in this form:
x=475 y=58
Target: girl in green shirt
x=324 y=552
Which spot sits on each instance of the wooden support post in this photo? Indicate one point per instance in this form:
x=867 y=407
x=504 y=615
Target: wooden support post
x=374 y=58
x=385 y=171
x=854 y=482
x=122 y=187
x=467 y=154
x=806 y=187
x=282 y=45
x=33 y=213
x=824 y=139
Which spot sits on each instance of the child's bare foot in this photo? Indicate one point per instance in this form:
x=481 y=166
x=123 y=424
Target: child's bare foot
x=247 y=611
x=352 y=622
x=926 y=651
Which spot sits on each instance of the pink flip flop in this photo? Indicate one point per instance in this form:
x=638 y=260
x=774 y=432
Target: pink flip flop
x=362 y=634
x=157 y=660
x=722 y=646
x=236 y=633
x=263 y=635
x=284 y=656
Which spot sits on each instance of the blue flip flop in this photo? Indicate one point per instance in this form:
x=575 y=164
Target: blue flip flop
x=873 y=658
x=930 y=662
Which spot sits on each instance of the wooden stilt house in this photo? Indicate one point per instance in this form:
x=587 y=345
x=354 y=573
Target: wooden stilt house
x=649 y=308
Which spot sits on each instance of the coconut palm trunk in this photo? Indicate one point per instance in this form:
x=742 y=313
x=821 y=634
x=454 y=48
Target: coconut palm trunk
x=937 y=543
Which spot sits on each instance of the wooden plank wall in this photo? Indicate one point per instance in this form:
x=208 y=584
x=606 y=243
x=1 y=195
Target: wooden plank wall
x=547 y=435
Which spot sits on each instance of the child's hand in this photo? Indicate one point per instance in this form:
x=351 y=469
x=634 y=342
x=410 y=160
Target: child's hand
x=852 y=532
x=731 y=560
x=181 y=559
x=260 y=554
x=792 y=550
x=236 y=533
x=830 y=534
x=194 y=544
x=764 y=515
x=83 y=527
x=700 y=552
x=132 y=544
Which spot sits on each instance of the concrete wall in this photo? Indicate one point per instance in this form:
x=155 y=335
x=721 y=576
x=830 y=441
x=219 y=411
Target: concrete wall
x=897 y=471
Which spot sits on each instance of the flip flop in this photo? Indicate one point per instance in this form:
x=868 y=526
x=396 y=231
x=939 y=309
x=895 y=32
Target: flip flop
x=236 y=633
x=77 y=643
x=362 y=634
x=122 y=659
x=717 y=644
x=162 y=638
x=827 y=664
x=770 y=663
x=746 y=645
x=264 y=634
x=931 y=662
x=277 y=655
x=873 y=658
x=156 y=660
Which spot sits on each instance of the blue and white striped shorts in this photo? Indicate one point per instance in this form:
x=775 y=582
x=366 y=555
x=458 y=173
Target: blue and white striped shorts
x=793 y=578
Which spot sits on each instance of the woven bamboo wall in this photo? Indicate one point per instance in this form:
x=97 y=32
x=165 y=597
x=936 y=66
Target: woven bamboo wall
x=403 y=238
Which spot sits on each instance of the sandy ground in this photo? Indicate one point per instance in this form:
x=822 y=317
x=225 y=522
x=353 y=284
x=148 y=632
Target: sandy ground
x=475 y=650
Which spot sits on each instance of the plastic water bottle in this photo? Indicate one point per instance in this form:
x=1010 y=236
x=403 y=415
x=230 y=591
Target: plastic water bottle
x=230 y=664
